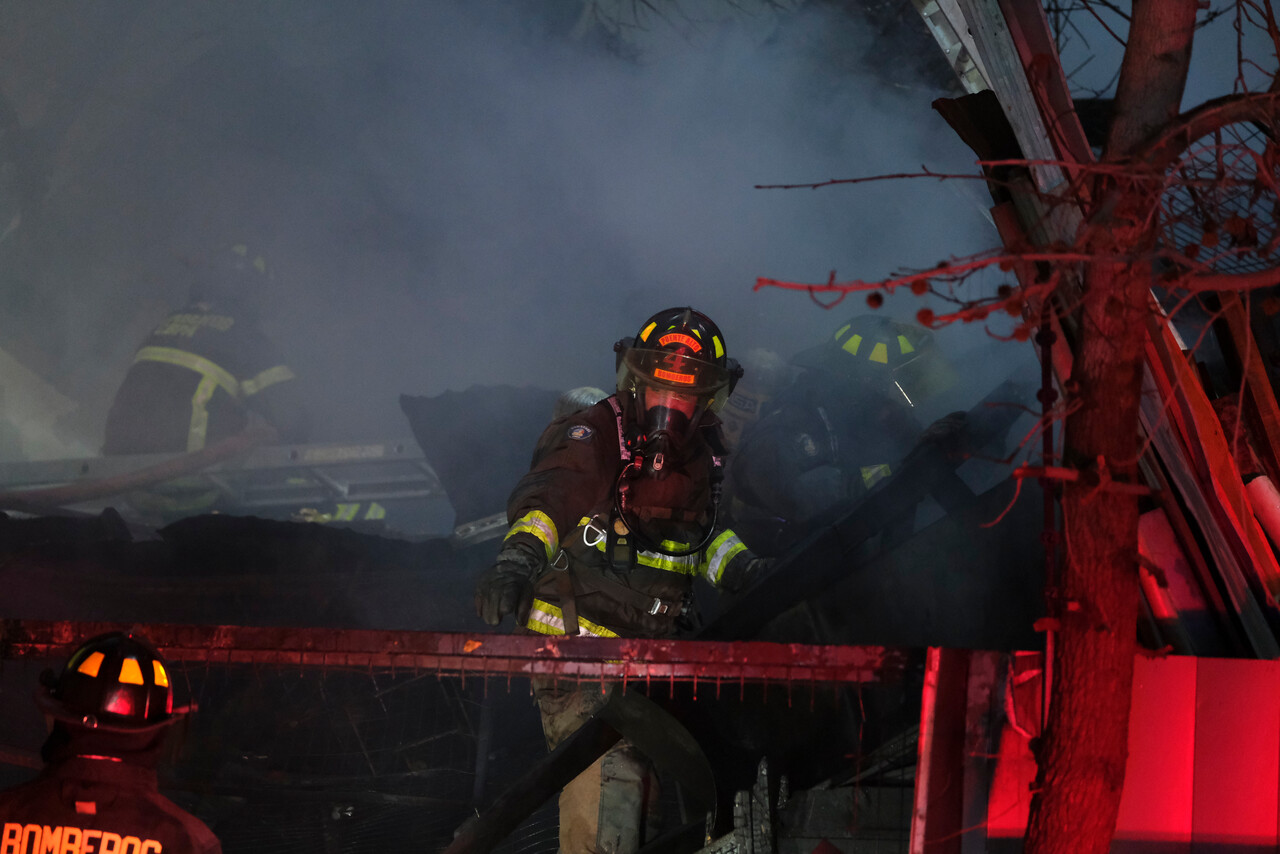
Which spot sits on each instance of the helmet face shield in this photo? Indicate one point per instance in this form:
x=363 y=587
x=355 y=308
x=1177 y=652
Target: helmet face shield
x=673 y=372
x=660 y=378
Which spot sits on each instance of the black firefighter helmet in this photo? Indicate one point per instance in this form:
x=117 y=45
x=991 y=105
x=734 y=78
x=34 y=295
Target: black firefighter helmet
x=673 y=371
x=114 y=682
x=899 y=360
x=231 y=274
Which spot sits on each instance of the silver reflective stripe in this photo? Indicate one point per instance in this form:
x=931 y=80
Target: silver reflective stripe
x=540 y=525
x=721 y=552
x=547 y=619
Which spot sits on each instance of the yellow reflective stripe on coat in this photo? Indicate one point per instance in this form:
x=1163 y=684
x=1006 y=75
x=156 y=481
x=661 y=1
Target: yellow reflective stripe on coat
x=540 y=525
x=184 y=359
x=687 y=565
x=547 y=619
x=213 y=377
x=871 y=475
x=721 y=552
x=269 y=377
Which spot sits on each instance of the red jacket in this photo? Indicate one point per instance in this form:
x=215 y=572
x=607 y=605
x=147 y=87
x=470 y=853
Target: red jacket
x=91 y=805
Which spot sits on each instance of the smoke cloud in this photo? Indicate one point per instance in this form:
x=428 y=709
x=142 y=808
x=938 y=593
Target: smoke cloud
x=463 y=193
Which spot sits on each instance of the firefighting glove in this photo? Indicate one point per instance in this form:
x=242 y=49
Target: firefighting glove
x=950 y=433
x=507 y=586
x=743 y=571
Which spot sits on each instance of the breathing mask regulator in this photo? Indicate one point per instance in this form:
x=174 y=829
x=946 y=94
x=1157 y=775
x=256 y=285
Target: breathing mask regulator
x=670 y=375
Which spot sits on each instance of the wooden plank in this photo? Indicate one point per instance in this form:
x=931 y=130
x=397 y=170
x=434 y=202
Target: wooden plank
x=1031 y=37
x=1008 y=80
x=482 y=654
x=1264 y=412
x=1236 y=799
x=1165 y=428
x=1213 y=463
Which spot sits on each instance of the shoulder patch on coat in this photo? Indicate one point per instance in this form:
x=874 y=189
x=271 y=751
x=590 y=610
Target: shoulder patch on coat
x=807 y=446
x=579 y=432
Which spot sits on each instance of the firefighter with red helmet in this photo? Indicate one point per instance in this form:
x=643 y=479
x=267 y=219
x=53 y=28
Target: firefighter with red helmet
x=110 y=710
x=614 y=519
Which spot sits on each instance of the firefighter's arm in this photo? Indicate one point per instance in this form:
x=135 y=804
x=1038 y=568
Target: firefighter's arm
x=731 y=566
x=507 y=586
x=546 y=503
x=274 y=394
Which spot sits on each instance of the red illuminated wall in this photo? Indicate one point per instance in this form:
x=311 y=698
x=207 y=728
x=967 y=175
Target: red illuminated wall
x=1204 y=762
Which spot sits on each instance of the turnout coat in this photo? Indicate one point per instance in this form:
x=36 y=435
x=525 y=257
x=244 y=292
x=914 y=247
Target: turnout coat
x=612 y=582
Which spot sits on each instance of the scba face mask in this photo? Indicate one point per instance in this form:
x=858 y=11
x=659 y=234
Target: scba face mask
x=667 y=421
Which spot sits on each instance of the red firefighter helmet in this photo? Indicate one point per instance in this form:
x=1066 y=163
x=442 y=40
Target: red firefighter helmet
x=113 y=682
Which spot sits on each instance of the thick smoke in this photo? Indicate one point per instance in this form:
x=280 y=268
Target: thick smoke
x=468 y=193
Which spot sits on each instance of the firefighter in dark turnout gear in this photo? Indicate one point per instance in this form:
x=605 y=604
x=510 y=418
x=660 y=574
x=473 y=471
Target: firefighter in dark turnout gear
x=201 y=372
x=201 y=375
x=615 y=518
x=110 y=708
x=844 y=422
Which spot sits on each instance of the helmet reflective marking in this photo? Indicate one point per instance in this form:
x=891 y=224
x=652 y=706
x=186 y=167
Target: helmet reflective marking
x=854 y=342
x=680 y=338
x=162 y=678
x=89 y=667
x=131 y=673
x=672 y=376
x=648 y=330
x=880 y=353
x=904 y=345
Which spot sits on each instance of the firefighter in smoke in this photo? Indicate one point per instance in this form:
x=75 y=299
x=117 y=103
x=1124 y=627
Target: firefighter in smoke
x=202 y=375
x=840 y=426
x=616 y=516
x=110 y=708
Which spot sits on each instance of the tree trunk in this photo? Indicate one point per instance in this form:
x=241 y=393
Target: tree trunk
x=1085 y=745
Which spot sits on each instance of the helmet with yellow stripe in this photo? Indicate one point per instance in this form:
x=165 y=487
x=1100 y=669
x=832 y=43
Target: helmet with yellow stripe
x=677 y=363
x=874 y=348
x=113 y=682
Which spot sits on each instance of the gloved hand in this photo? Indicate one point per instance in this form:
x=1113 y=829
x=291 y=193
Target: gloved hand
x=950 y=433
x=743 y=571
x=507 y=586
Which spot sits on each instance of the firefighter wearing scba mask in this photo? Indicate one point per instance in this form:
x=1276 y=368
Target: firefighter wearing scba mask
x=110 y=709
x=615 y=518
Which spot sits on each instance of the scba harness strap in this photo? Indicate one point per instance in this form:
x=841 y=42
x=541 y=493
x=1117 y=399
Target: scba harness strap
x=624 y=535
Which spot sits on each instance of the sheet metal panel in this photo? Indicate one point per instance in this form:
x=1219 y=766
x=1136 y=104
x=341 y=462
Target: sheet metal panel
x=1157 y=800
x=1237 y=755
